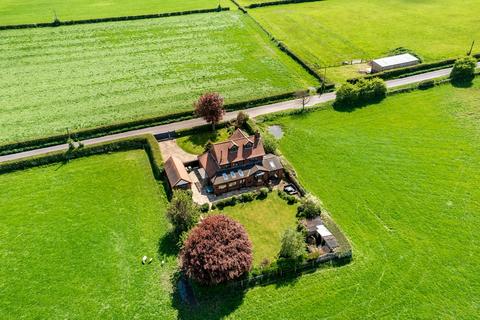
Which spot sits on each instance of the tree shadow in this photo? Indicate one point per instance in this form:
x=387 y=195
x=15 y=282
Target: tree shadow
x=167 y=245
x=352 y=107
x=207 y=302
x=465 y=84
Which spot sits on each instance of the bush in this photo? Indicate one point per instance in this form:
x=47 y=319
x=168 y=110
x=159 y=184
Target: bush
x=182 y=212
x=242 y=118
x=270 y=144
x=363 y=91
x=426 y=84
x=205 y=207
x=293 y=245
x=309 y=208
x=262 y=193
x=464 y=69
x=247 y=197
x=287 y=197
x=217 y=250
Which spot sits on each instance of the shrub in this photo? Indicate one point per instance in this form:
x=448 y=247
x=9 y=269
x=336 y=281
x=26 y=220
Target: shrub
x=205 y=207
x=262 y=193
x=247 y=197
x=182 y=212
x=464 y=69
x=270 y=144
x=217 y=250
x=363 y=91
x=426 y=84
x=309 y=208
x=293 y=245
x=242 y=118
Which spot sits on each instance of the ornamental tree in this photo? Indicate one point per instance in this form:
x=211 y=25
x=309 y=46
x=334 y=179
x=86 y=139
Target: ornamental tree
x=182 y=212
x=210 y=107
x=216 y=250
x=293 y=245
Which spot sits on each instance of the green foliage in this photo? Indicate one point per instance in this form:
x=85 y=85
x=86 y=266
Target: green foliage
x=262 y=193
x=205 y=207
x=270 y=144
x=242 y=118
x=182 y=212
x=464 y=69
x=309 y=207
x=291 y=199
x=426 y=84
x=293 y=245
x=363 y=91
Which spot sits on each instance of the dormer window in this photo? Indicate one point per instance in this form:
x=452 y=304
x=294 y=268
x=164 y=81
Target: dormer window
x=248 y=145
x=233 y=149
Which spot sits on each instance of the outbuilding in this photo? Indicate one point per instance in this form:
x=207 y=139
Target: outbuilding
x=177 y=175
x=394 y=62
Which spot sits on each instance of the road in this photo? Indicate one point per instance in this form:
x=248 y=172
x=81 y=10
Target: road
x=252 y=112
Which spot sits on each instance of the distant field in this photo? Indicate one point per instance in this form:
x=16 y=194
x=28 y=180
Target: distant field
x=72 y=238
x=402 y=179
x=35 y=11
x=89 y=75
x=265 y=221
x=332 y=31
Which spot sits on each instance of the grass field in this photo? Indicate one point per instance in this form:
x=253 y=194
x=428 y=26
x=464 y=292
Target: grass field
x=401 y=179
x=72 y=238
x=90 y=75
x=195 y=143
x=265 y=221
x=329 y=32
x=35 y=11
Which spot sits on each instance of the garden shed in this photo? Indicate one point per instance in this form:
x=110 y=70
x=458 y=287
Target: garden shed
x=394 y=62
x=177 y=175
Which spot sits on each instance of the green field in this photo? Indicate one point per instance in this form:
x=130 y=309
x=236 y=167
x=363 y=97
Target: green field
x=35 y=11
x=90 y=75
x=72 y=238
x=329 y=32
x=265 y=221
x=402 y=179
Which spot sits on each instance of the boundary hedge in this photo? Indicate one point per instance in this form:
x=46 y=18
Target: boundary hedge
x=145 y=142
x=88 y=133
x=276 y=3
x=58 y=23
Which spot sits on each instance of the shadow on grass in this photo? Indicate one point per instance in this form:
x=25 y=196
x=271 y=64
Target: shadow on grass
x=352 y=107
x=167 y=245
x=196 y=302
x=462 y=83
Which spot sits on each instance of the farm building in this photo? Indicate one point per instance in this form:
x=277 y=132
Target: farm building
x=319 y=233
x=394 y=62
x=177 y=175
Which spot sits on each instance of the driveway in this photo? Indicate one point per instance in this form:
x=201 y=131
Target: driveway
x=170 y=148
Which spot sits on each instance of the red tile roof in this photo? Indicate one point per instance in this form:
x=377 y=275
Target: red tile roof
x=238 y=147
x=176 y=172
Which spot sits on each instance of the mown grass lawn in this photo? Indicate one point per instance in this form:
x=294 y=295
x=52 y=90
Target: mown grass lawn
x=195 y=143
x=90 y=75
x=329 y=32
x=72 y=238
x=402 y=180
x=265 y=221
x=35 y=11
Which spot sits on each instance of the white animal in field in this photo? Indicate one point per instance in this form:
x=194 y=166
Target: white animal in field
x=144 y=259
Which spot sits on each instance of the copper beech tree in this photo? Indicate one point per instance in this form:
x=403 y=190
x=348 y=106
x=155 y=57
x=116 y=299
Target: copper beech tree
x=210 y=107
x=216 y=250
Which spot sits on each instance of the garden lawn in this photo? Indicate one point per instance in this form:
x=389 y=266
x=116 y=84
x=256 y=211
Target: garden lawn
x=36 y=11
x=72 y=238
x=265 y=221
x=326 y=33
x=195 y=143
x=90 y=75
x=402 y=180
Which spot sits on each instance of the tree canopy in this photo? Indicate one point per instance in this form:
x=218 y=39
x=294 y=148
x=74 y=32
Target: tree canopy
x=210 y=107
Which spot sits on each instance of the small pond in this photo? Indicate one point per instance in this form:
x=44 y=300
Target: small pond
x=276 y=131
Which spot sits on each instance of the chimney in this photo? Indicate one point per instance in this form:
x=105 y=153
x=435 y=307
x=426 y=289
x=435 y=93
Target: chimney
x=257 y=136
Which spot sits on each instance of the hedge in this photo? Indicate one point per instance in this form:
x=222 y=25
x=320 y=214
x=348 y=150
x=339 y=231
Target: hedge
x=89 y=133
x=146 y=142
x=58 y=23
x=276 y=3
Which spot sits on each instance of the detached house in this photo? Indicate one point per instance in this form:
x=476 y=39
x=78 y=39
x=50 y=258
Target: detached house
x=239 y=162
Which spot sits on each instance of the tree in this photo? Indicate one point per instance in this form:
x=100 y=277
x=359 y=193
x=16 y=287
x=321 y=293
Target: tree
x=293 y=245
x=464 y=69
x=363 y=91
x=242 y=117
x=217 y=250
x=182 y=212
x=304 y=97
x=309 y=208
x=210 y=107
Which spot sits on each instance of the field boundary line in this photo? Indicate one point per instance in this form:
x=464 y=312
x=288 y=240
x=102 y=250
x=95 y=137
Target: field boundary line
x=58 y=23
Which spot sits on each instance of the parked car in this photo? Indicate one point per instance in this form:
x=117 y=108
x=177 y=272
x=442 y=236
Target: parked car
x=290 y=189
